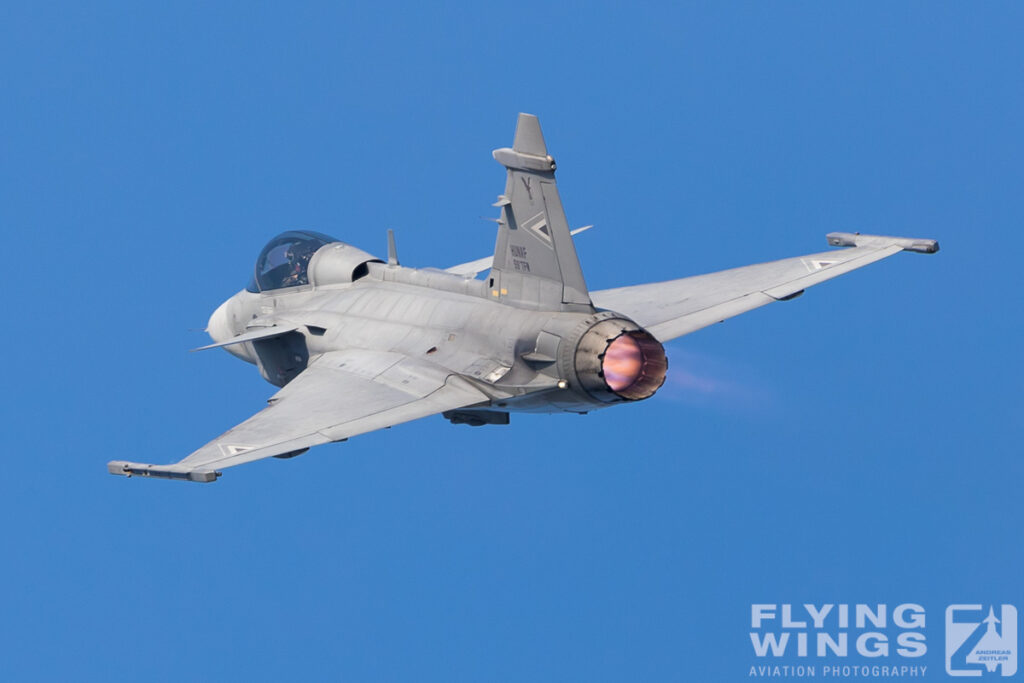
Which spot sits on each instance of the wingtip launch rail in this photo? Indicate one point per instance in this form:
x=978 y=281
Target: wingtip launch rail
x=137 y=469
x=856 y=239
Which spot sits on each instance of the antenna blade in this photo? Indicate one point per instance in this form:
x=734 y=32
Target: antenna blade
x=392 y=250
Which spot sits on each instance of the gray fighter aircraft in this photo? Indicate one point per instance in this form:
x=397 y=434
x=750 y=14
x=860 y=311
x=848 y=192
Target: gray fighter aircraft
x=358 y=344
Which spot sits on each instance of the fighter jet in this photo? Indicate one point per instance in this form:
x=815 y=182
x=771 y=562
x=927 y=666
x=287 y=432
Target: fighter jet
x=357 y=343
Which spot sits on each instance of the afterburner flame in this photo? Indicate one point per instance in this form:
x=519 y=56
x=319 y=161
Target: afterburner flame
x=623 y=363
x=634 y=365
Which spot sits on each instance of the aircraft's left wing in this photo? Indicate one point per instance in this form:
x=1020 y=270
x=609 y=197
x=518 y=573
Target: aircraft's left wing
x=677 y=307
x=341 y=394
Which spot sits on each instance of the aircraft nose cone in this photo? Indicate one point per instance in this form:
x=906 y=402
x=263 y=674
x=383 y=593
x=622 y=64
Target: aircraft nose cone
x=219 y=327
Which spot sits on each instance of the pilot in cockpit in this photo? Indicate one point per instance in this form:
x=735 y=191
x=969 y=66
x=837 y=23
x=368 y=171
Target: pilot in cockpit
x=298 y=256
x=284 y=261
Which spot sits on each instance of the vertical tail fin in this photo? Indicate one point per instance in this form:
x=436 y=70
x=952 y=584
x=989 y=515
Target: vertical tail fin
x=535 y=263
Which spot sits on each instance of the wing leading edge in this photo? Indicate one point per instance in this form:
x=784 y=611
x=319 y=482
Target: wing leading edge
x=340 y=395
x=677 y=307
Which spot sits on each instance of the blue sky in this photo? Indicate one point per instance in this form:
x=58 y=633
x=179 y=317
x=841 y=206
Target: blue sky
x=860 y=444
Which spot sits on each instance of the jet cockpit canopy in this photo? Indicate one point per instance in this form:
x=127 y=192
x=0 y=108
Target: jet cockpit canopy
x=284 y=262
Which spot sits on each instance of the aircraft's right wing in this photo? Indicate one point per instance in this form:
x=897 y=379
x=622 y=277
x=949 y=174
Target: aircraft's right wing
x=677 y=307
x=341 y=394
